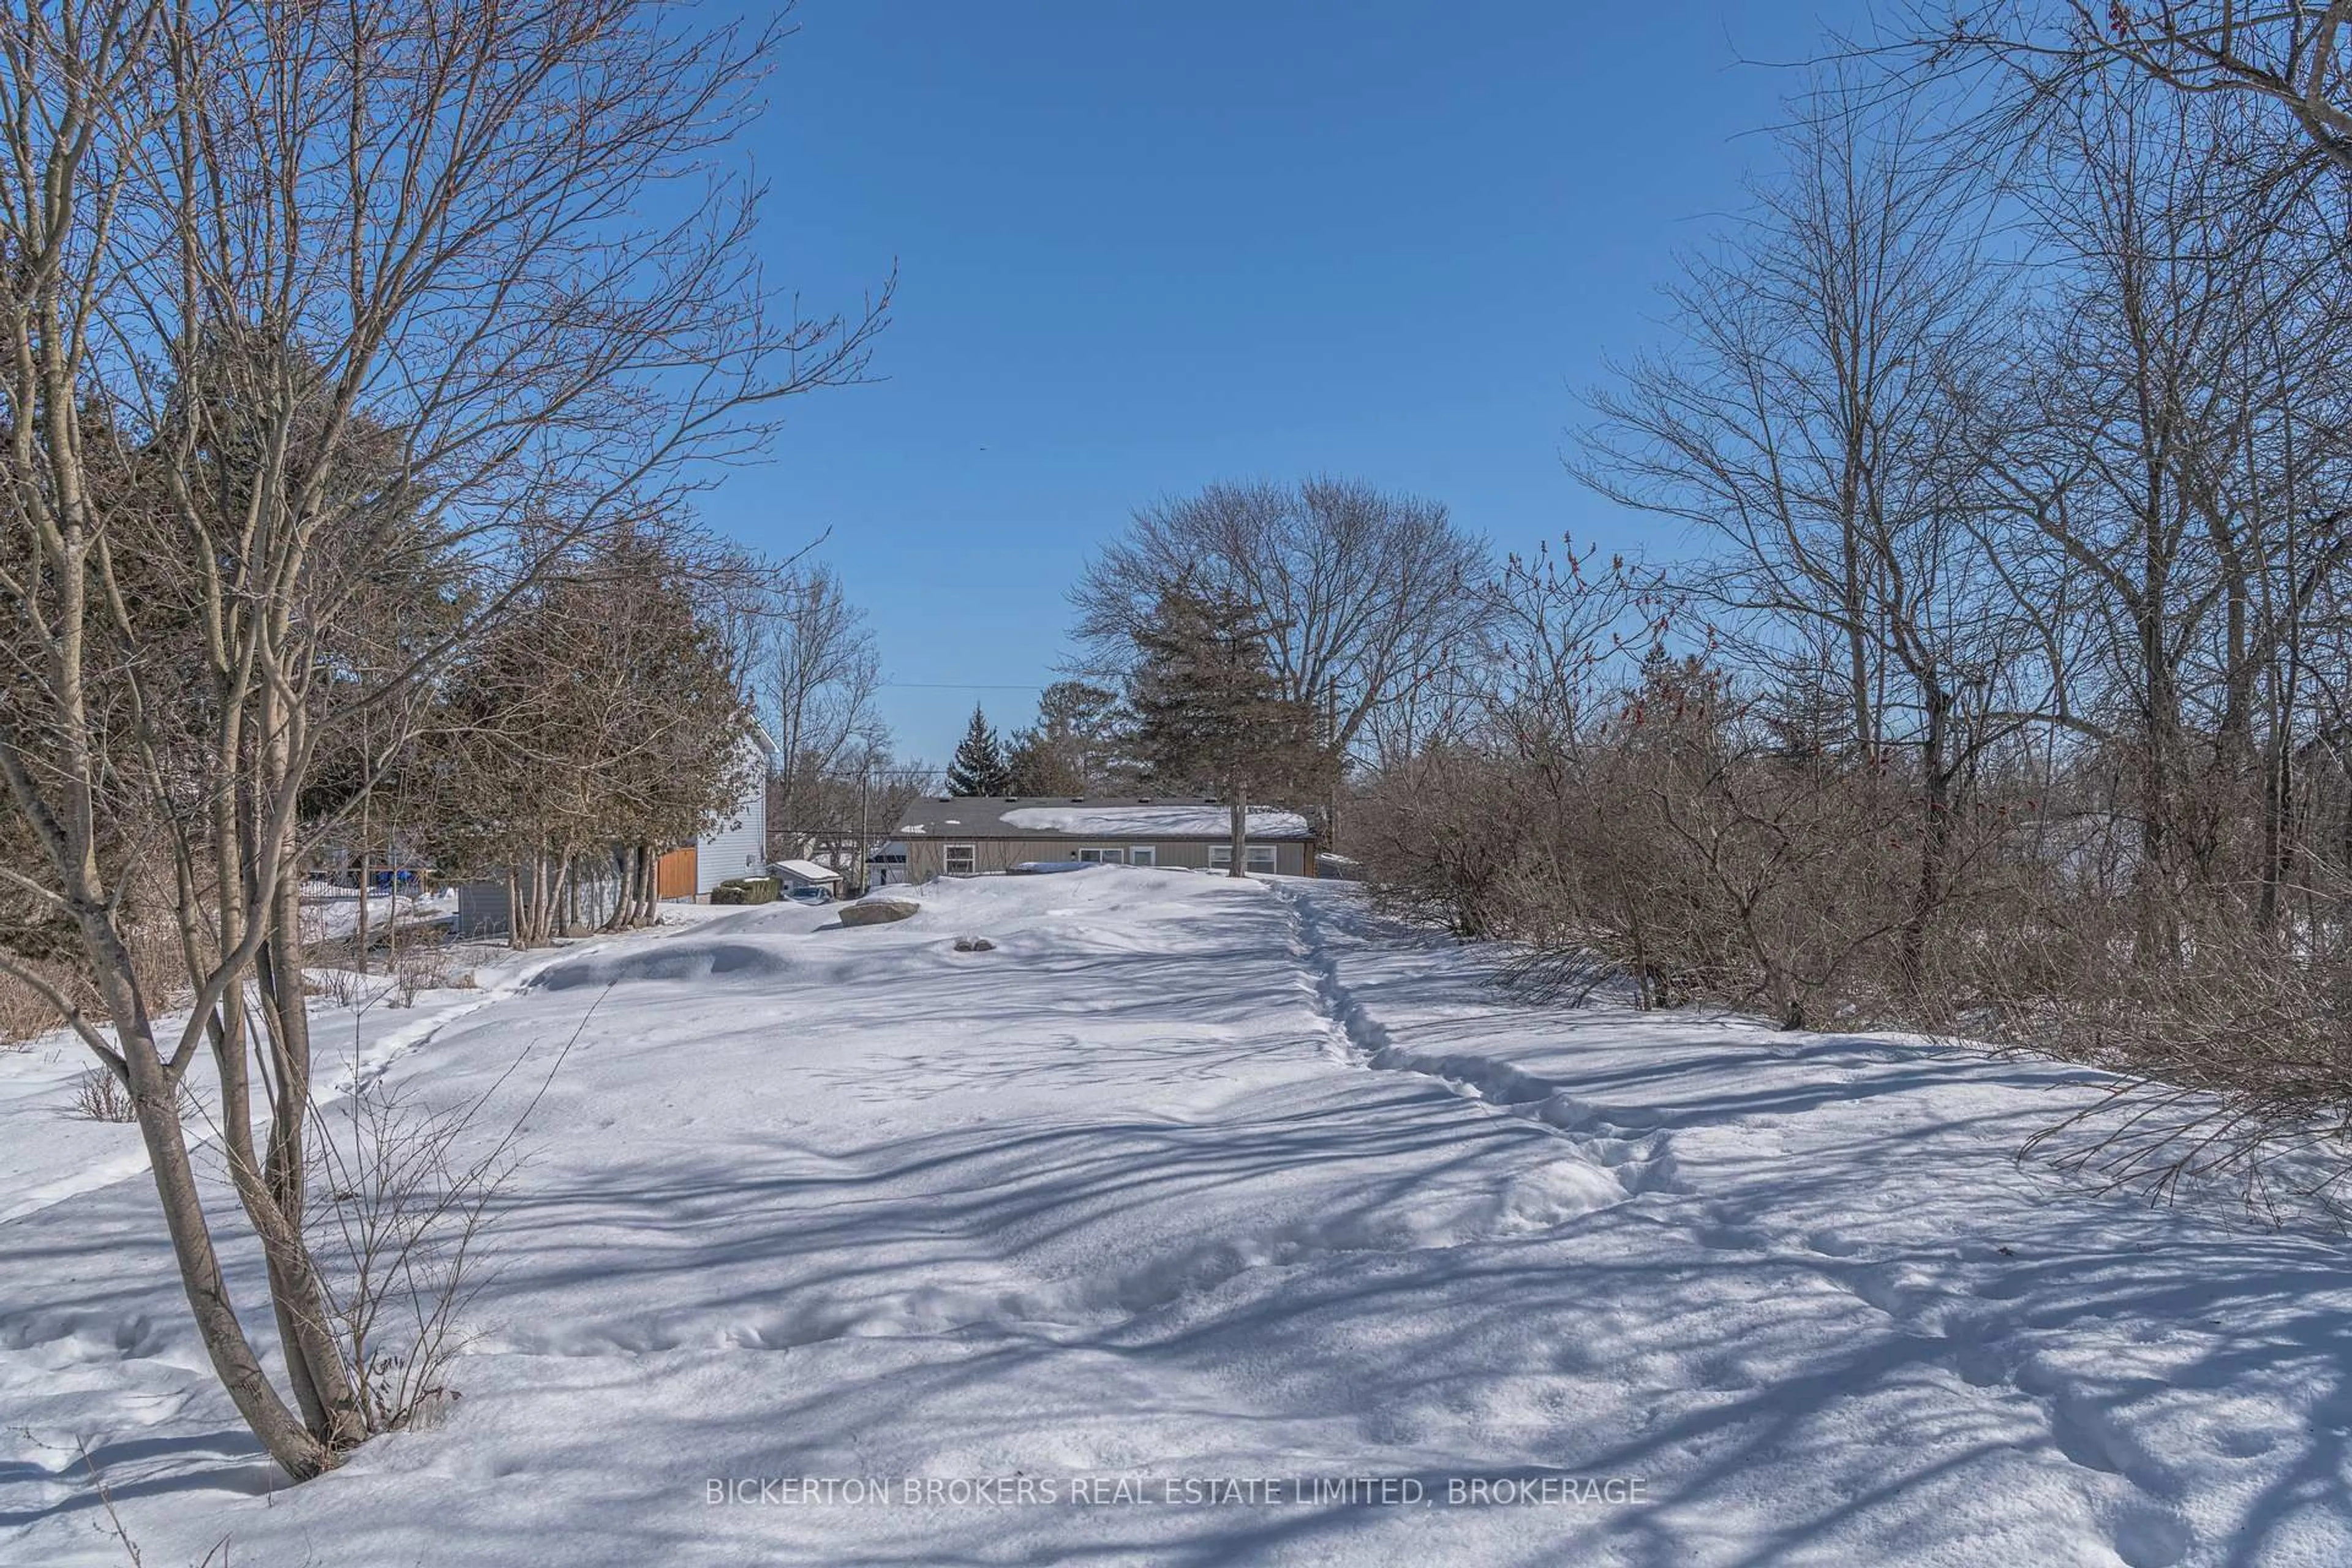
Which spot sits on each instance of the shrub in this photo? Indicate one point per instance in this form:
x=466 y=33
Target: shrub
x=99 y=1095
x=746 y=890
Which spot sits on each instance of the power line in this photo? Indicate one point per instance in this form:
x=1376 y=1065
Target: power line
x=955 y=685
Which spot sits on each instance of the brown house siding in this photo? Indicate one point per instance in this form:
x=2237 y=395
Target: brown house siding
x=927 y=857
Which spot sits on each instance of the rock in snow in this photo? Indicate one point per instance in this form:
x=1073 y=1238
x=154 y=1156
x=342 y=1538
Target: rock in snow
x=877 y=912
x=1208 y=1222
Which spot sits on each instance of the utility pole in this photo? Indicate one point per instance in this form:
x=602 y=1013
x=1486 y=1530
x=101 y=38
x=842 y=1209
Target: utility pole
x=865 y=783
x=1331 y=732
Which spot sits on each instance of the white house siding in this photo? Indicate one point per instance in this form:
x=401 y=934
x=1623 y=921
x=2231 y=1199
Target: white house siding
x=886 y=864
x=737 y=847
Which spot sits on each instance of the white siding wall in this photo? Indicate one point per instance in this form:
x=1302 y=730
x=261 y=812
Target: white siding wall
x=738 y=845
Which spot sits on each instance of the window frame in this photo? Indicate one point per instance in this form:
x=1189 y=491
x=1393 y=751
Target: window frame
x=1220 y=859
x=1150 y=853
x=1103 y=855
x=970 y=852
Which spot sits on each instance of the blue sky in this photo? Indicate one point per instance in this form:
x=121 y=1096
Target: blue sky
x=1141 y=247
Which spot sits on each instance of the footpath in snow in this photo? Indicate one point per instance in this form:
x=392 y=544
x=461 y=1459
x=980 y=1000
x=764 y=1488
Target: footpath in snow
x=1186 y=1199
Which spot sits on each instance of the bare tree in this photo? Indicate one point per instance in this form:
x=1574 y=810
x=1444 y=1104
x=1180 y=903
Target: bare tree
x=1812 y=424
x=2293 y=57
x=2161 y=422
x=819 y=674
x=1446 y=820
x=1365 y=596
x=281 y=280
x=2005 y=689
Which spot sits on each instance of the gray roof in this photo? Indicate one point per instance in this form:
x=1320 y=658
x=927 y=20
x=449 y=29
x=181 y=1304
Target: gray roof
x=1101 y=817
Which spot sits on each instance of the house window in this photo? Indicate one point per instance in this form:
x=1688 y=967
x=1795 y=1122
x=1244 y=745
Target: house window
x=1259 y=858
x=1142 y=855
x=1103 y=856
x=961 y=861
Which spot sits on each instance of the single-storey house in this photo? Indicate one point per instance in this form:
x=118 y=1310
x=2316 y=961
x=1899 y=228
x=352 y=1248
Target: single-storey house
x=969 y=836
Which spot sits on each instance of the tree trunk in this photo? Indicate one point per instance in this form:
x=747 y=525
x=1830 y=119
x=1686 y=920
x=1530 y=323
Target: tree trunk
x=366 y=886
x=313 y=1357
x=1934 y=840
x=623 y=913
x=2279 y=826
x=154 y=1099
x=287 y=1437
x=392 y=872
x=558 y=903
x=1241 y=833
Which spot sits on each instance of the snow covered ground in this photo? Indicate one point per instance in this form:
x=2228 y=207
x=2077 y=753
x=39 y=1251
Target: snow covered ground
x=1187 y=1199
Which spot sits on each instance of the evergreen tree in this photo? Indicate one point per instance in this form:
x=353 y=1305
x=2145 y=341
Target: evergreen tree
x=979 y=765
x=1078 y=745
x=599 y=715
x=1210 y=711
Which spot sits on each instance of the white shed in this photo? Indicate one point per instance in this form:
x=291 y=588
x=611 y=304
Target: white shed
x=807 y=874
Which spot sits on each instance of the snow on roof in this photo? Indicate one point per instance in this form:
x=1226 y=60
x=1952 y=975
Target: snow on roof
x=809 y=870
x=1098 y=816
x=1152 y=821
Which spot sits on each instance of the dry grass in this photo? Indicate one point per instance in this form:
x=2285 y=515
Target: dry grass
x=99 y=1095
x=426 y=969
x=397 y=983
x=26 y=1015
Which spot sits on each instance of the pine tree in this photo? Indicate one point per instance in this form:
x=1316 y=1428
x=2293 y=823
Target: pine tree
x=1209 y=710
x=979 y=766
x=1077 y=746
